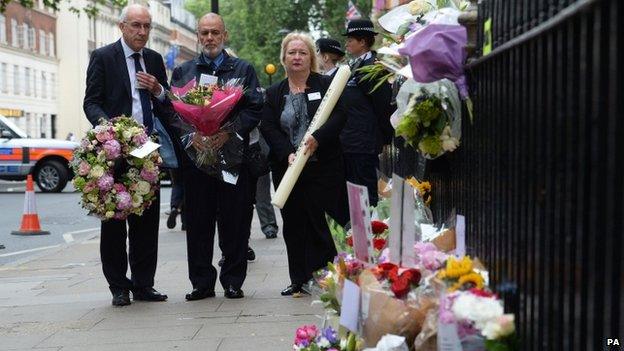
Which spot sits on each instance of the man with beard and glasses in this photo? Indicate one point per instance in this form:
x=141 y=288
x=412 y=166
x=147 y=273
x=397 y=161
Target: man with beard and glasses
x=210 y=201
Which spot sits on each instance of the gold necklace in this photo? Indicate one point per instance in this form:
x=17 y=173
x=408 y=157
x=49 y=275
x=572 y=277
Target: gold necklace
x=295 y=89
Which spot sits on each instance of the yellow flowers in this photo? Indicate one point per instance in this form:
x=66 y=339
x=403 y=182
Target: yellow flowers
x=424 y=188
x=456 y=268
x=473 y=279
x=460 y=274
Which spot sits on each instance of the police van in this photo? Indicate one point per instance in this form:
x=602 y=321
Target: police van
x=46 y=159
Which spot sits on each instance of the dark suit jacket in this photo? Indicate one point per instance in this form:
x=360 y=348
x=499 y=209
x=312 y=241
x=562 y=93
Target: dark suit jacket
x=108 y=84
x=326 y=136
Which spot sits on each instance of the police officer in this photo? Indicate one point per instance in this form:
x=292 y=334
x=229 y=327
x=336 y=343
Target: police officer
x=368 y=112
x=330 y=53
x=208 y=199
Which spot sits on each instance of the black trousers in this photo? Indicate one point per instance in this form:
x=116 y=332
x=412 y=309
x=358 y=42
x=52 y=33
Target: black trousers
x=142 y=234
x=309 y=244
x=361 y=169
x=208 y=203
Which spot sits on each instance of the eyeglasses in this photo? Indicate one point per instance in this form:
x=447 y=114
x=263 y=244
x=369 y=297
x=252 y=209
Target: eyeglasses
x=137 y=26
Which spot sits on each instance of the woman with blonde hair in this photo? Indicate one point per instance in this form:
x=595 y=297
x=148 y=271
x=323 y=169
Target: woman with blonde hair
x=289 y=108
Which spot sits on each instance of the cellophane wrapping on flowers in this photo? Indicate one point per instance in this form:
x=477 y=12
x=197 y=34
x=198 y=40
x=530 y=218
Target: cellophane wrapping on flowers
x=208 y=109
x=428 y=117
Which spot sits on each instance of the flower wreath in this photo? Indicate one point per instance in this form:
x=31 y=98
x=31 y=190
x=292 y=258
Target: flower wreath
x=113 y=183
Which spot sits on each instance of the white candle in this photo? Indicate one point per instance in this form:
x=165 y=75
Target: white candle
x=322 y=114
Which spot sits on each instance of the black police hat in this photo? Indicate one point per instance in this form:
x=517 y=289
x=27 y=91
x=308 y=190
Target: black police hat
x=329 y=45
x=360 y=27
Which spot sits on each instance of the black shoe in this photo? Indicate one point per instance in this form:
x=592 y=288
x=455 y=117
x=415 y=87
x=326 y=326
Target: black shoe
x=148 y=294
x=199 y=294
x=251 y=255
x=292 y=289
x=121 y=298
x=271 y=235
x=171 y=220
x=232 y=293
x=221 y=261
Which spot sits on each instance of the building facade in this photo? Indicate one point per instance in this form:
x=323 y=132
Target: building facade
x=29 y=69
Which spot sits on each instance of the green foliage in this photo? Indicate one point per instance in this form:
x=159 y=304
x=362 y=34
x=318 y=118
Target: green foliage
x=256 y=28
x=507 y=343
x=339 y=234
x=376 y=73
x=91 y=9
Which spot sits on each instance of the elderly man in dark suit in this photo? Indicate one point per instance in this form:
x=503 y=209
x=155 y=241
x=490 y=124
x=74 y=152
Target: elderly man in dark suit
x=125 y=78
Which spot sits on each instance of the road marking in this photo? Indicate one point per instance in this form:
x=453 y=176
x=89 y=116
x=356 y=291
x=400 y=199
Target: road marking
x=69 y=236
x=29 y=250
x=83 y=231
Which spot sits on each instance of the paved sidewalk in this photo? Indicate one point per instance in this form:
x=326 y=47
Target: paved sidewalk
x=60 y=301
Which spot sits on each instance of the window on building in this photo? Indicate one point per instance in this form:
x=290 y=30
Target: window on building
x=31 y=39
x=3 y=38
x=44 y=85
x=42 y=37
x=4 y=78
x=22 y=37
x=52 y=86
x=16 y=80
x=47 y=45
x=14 y=31
x=35 y=78
x=52 y=45
x=27 y=81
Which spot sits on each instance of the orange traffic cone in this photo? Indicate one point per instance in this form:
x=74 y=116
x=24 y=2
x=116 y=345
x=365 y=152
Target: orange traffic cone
x=30 y=219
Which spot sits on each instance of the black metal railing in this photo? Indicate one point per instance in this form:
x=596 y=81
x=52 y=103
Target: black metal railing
x=539 y=174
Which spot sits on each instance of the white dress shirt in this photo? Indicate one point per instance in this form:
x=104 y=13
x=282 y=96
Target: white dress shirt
x=137 y=110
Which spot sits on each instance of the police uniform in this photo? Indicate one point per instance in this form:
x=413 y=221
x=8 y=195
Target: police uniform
x=368 y=118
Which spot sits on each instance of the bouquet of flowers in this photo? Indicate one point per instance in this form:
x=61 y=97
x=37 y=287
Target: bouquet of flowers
x=480 y=320
x=395 y=302
x=459 y=274
x=380 y=236
x=207 y=108
x=330 y=280
x=431 y=121
x=310 y=338
x=113 y=183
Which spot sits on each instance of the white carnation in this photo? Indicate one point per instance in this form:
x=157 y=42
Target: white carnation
x=419 y=7
x=477 y=309
x=500 y=327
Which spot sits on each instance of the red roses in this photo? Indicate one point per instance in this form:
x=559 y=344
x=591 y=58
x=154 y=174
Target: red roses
x=379 y=229
x=400 y=284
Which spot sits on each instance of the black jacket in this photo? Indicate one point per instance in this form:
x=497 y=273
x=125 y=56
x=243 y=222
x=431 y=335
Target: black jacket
x=326 y=136
x=108 y=84
x=249 y=108
x=368 y=114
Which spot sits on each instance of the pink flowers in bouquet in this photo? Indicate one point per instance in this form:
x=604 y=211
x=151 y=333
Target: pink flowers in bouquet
x=310 y=338
x=104 y=147
x=205 y=107
x=429 y=256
